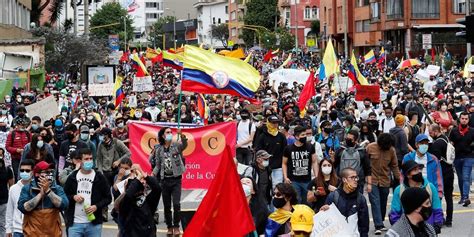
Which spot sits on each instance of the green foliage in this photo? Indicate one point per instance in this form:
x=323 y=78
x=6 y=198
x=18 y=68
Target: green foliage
x=260 y=13
x=287 y=40
x=65 y=52
x=315 y=27
x=156 y=31
x=220 y=32
x=268 y=39
x=111 y=13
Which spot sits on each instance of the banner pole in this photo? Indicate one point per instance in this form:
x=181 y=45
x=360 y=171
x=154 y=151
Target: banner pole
x=179 y=102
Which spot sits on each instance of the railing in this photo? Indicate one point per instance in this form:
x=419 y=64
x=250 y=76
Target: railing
x=395 y=16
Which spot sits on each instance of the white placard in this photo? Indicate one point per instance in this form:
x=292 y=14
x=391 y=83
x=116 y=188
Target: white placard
x=422 y=75
x=331 y=223
x=45 y=109
x=141 y=84
x=101 y=89
x=471 y=68
x=342 y=84
x=426 y=40
x=132 y=101
x=433 y=70
x=289 y=76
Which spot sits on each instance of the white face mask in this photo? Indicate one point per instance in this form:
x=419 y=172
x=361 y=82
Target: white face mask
x=247 y=190
x=326 y=170
x=40 y=144
x=265 y=163
x=127 y=172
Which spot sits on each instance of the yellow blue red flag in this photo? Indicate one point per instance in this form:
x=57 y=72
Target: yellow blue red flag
x=210 y=73
x=174 y=60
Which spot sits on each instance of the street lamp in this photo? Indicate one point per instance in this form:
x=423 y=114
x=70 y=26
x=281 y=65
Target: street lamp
x=174 y=26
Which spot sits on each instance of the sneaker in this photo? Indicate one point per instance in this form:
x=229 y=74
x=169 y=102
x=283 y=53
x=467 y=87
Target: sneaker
x=377 y=232
x=448 y=224
x=461 y=201
x=384 y=228
x=466 y=203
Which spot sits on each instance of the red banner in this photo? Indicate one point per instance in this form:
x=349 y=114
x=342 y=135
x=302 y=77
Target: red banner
x=368 y=91
x=205 y=148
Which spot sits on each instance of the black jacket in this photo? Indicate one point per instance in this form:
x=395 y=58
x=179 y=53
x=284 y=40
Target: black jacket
x=462 y=143
x=100 y=197
x=139 y=220
x=274 y=145
x=268 y=193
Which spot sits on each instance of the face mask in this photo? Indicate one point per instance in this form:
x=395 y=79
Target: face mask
x=34 y=126
x=426 y=212
x=247 y=190
x=423 y=148
x=120 y=125
x=40 y=144
x=87 y=165
x=77 y=125
x=265 y=163
x=89 y=117
x=169 y=137
x=417 y=177
x=326 y=170
x=238 y=117
x=279 y=202
x=350 y=143
x=127 y=172
x=8 y=100
x=4 y=112
x=84 y=136
x=70 y=136
x=25 y=176
x=18 y=99
x=458 y=89
x=138 y=114
x=101 y=138
x=350 y=188
x=302 y=139
x=244 y=117
x=328 y=130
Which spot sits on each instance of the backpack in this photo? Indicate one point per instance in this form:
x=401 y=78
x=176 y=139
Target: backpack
x=450 y=152
x=13 y=137
x=353 y=160
x=427 y=187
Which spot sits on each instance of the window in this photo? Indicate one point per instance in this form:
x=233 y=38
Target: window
x=394 y=9
x=233 y=32
x=152 y=16
x=232 y=15
x=151 y=5
x=213 y=20
x=425 y=8
x=218 y=20
x=226 y=9
x=459 y=6
x=307 y=12
x=363 y=26
x=361 y=3
x=315 y=13
x=375 y=11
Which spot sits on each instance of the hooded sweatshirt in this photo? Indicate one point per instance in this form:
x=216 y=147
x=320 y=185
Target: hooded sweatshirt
x=401 y=142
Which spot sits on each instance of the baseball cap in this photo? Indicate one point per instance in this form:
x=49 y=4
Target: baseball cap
x=410 y=165
x=421 y=137
x=262 y=154
x=302 y=218
x=42 y=165
x=273 y=118
x=105 y=131
x=84 y=129
x=399 y=119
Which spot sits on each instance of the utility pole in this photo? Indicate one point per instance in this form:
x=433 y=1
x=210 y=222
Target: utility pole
x=296 y=25
x=344 y=22
x=210 y=23
x=74 y=7
x=174 y=29
x=86 y=18
x=125 y=29
x=468 y=44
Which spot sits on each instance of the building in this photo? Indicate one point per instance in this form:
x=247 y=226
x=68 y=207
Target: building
x=15 y=13
x=298 y=17
x=211 y=13
x=186 y=33
x=68 y=13
x=399 y=25
x=236 y=11
x=181 y=9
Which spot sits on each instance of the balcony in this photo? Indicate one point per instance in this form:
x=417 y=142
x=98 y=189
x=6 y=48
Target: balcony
x=395 y=16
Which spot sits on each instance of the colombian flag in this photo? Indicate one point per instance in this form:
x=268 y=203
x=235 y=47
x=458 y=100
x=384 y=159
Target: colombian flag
x=329 y=65
x=210 y=73
x=369 y=57
x=139 y=66
x=173 y=60
x=354 y=73
x=202 y=108
x=118 y=92
x=276 y=220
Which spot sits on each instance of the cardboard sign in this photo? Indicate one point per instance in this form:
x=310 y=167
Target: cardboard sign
x=142 y=84
x=289 y=76
x=342 y=84
x=252 y=108
x=368 y=91
x=433 y=70
x=45 y=109
x=331 y=223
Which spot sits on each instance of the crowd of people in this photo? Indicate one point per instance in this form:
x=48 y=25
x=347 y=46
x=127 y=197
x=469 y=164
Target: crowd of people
x=292 y=163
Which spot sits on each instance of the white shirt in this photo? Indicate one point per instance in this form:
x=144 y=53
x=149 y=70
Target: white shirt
x=243 y=132
x=154 y=111
x=428 y=85
x=84 y=188
x=14 y=217
x=422 y=161
x=386 y=124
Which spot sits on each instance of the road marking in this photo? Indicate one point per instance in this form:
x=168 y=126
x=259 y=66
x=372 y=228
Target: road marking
x=195 y=196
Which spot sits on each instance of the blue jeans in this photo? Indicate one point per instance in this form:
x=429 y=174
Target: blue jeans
x=85 y=230
x=301 y=190
x=466 y=177
x=277 y=177
x=16 y=234
x=378 y=200
x=458 y=166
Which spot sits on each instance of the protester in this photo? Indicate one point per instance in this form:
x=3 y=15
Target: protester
x=88 y=194
x=302 y=221
x=284 y=197
x=258 y=206
x=16 y=141
x=400 y=138
x=347 y=196
x=86 y=137
x=245 y=135
x=6 y=181
x=69 y=146
x=417 y=207
x=262 y=174
x=37 y=150
x=41 y=202
x=14 y=218
x=325 y=182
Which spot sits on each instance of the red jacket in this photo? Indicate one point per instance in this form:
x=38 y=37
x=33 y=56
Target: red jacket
x=21 y=139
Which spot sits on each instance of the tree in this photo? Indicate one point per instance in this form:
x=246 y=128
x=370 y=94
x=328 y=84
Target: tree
x=268 y=39
x=65 y=52
x=260 y=13
x=37 y=8
x=111 y=13
x=287 y=40
x=220 y=32
x=315 y=27
x=156 y=30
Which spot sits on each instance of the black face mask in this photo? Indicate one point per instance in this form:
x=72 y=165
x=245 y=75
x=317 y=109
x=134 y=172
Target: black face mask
x=279 y=202
x=70 y=136
x=417 y=177
x=426 y=212
x=328 y=130
x=302 y=139
x=244 y=117
x=350 y=143
x=3 y=128
x=47 y=138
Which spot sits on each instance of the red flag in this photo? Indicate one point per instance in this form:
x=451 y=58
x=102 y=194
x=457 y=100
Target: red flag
x=158 y=58
x=308 y=91
x=224 y=210
x=125 y=56
x=433 y=55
